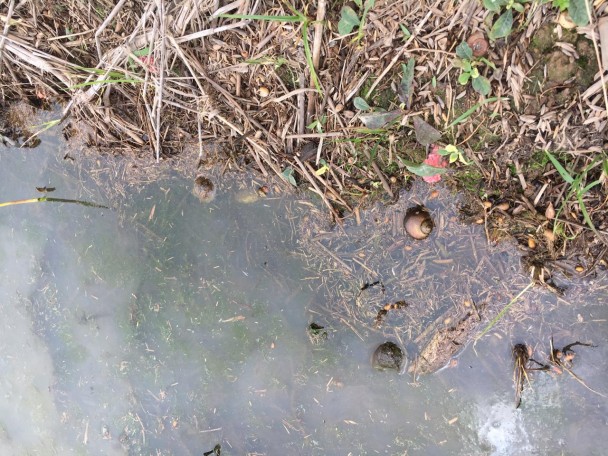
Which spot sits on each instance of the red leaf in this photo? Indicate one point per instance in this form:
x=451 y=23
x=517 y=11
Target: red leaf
x=436 y=160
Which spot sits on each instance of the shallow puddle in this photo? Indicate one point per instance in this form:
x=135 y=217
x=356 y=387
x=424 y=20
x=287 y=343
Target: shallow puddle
x=164 y=326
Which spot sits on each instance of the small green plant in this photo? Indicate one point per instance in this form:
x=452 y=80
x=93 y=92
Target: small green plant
x=504 y=24
x=469 y=66
x=577 y=10
x=577 y=185
x=454 y=153
x=349 y=19
x=317 y=125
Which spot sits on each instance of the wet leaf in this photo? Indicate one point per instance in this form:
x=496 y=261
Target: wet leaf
x=578 y=12
x=503 y=25
x=348 y=21
x=425 y=134
x=464 y=51
x=361 y=104
x=405 y=87
x=482 y=85
x=379 y=119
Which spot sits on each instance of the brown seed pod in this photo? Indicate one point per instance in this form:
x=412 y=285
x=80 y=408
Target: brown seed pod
x=478 y=44
x=418 y=223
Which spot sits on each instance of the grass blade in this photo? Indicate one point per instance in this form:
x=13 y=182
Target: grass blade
x=503 y=312
x=560 y=169
x=470 y=111
x=261 y=17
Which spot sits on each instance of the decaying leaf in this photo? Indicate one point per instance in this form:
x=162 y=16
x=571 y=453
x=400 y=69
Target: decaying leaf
x=425 y=134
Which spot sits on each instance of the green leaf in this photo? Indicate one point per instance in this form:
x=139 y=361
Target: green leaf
x=518 y=7
x=454 y=157
x=466 y=65
x=405 y=31
x=348 y=21
x=361 y=104
x=581 y=204
x=482 y=85
x=464 y=51
x=578 y=12
x=288 y=175
x=322 y=170
x=405 y=87
x=422 y=169
x=474 y=73
x=503 y=25
x=560 y=169
x=450 y=149
x=561 y=4
x=464 y=78
x=494 y=5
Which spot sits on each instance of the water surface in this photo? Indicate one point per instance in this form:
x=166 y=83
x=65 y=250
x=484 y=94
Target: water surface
x=164 y=326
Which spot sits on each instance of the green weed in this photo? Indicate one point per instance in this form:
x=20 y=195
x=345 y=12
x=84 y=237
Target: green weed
x=577 y=10
x=577 y=184
x=469 y=69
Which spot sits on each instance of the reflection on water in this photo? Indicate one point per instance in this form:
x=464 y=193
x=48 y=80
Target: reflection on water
x=173 y=329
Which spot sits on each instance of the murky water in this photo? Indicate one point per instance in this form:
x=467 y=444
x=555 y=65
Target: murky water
x=177 y=326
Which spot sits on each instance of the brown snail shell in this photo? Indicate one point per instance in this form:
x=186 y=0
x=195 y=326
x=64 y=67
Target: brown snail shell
x=418 y=223
x=203 y=189
x=478 y=44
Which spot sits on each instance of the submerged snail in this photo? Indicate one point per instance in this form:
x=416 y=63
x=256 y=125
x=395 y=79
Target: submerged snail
x=418 y=223
x=203 y=189
x=389 y=356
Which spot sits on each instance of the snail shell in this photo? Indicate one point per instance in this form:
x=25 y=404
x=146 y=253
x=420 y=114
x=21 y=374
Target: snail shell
x=418 y=223
x=478 y=44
